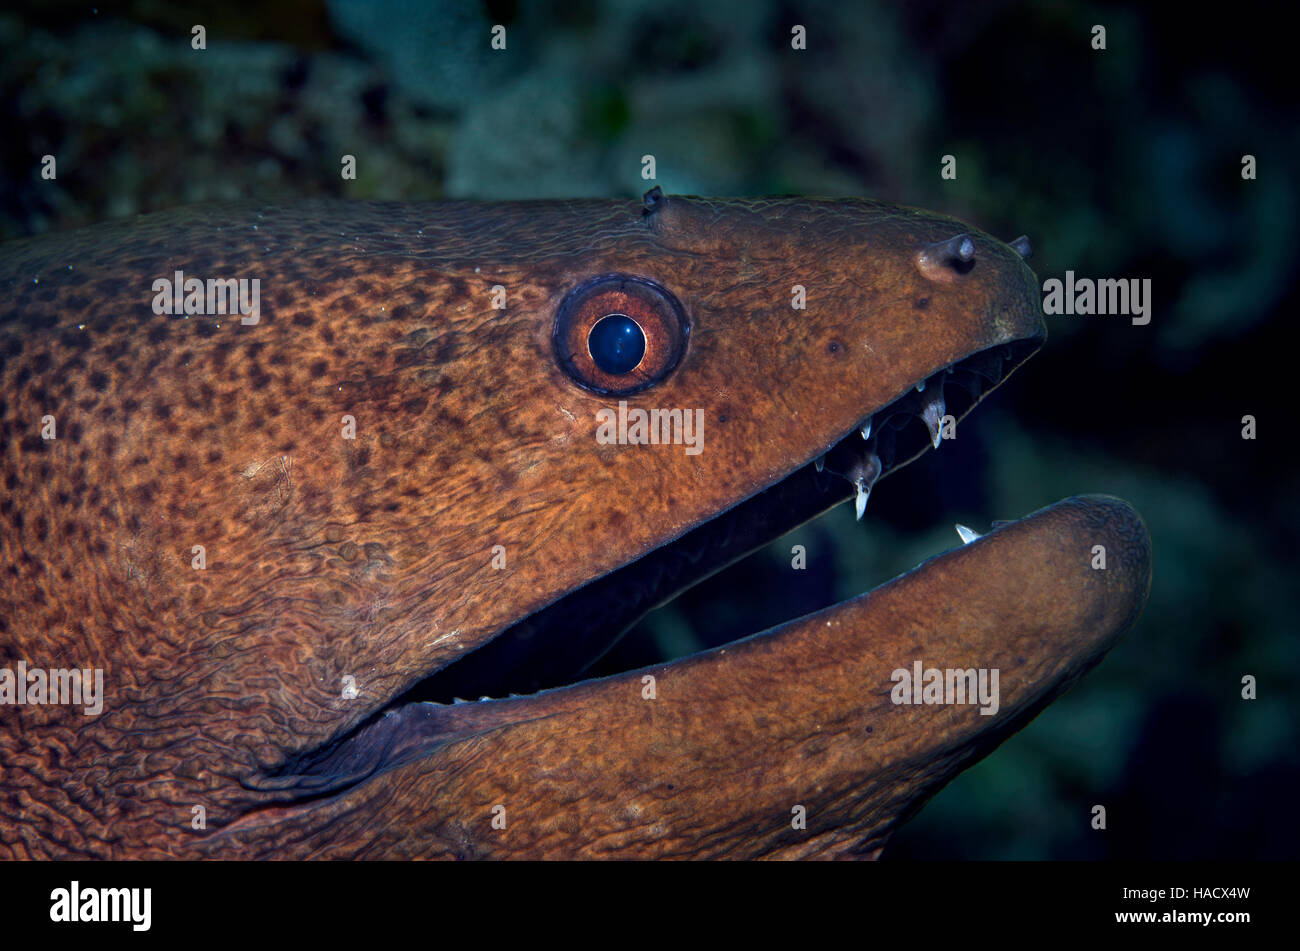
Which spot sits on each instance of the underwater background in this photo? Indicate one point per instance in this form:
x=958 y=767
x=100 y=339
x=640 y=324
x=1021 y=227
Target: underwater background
x=1123 y=163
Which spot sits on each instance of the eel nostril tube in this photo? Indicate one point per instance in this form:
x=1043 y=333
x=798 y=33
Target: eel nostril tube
x=945 y=260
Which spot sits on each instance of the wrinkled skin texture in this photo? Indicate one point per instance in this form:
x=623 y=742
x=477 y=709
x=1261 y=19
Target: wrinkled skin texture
x=370 y=558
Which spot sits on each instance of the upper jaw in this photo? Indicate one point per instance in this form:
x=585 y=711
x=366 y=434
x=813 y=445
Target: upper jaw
x=920 y=418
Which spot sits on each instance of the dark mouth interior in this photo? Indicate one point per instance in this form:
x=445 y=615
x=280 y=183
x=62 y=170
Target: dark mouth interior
x=564 y=642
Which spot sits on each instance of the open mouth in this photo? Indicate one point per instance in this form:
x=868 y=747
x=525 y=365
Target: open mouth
x=554 y=647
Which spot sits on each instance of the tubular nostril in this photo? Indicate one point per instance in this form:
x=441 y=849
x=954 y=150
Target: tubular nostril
x=1021 y=246
x=944 y=260
x=652 y=200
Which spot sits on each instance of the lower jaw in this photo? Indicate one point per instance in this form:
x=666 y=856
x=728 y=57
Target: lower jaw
x=710 y=756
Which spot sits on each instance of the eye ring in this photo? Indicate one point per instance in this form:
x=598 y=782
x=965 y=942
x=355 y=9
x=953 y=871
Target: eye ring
x=617 y=334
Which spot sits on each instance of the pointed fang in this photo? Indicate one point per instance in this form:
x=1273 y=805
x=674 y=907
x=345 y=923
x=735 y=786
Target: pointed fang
x=820 y=463
x=865 y=428
x=967 y=535
x=1021 y=246
x=932 y=414
x=864 y=474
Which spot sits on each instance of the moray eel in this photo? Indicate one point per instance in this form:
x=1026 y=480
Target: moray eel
x=290 y=539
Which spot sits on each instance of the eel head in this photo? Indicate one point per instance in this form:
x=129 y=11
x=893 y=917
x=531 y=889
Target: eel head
x=461 y=450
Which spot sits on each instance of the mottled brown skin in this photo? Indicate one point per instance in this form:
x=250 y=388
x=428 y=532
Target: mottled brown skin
x=371 y=558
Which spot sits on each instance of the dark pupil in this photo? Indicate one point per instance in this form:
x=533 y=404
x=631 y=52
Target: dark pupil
x=617 y=343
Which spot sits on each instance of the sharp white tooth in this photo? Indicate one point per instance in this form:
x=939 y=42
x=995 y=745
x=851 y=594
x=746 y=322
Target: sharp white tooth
x=820 y=463
x=932 y=415
x=967 y=535
x=864 y=474
x=865 y=429
x=920 y=387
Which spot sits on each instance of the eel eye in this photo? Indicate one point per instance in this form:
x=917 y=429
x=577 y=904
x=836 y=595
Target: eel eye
x=618 y=334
